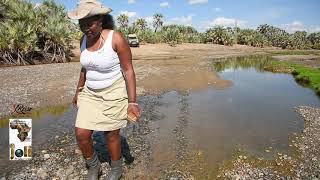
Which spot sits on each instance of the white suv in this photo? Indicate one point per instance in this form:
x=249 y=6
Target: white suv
x=133 y=40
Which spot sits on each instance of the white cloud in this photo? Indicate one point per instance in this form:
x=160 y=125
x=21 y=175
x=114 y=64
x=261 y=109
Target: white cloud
x=130 y=14
x=299 y=26
x=315 y=29
x=226 y=22
x=294 y=26
x=131 y=1
x=164 y=4
x=183 y=20
x=37 y=5
x=149 y=20
x=198 y=1
x=218 y=9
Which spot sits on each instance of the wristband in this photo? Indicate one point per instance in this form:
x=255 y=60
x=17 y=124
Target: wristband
x=131 y=103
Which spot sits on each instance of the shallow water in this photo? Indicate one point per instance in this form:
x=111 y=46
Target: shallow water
x=254 y=113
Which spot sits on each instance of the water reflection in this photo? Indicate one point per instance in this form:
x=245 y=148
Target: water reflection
x=236 y=63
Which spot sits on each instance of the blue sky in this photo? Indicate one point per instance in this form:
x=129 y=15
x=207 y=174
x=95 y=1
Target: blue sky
x=291 y=15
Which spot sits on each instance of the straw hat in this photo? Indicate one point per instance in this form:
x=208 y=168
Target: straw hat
x=88 y=8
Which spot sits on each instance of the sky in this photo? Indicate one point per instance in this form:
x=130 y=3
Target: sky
x=291 y=15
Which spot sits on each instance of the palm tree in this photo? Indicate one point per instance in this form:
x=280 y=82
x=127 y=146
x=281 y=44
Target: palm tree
x=28 y=31
x=123 y=20
x=141 y=24
x=157 y=21
x=314 y=39
x=132 y=29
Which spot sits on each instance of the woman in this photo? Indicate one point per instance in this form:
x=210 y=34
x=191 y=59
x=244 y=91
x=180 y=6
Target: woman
x=106 y=91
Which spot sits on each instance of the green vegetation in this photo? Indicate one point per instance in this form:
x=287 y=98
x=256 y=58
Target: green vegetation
x=245 y=62
x=305 y=75
x=252 y=38
x=219 y=35
x=296 y=52
x=28 y=31
x=43 y=32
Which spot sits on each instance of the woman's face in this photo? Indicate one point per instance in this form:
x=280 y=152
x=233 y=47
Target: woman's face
x=91 y=26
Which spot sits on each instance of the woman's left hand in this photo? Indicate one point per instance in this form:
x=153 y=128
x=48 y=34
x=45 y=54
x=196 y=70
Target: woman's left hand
x=134 y=109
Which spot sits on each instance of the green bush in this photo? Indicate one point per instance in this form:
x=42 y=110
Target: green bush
x=219 y=35
x=251 y=38
x=171 y=36
x=27 y=31
x=314 y=39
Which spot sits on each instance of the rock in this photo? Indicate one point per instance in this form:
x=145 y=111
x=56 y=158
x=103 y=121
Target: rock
x=44 y=151
x=77 y=151
x=2 y=178
x=236 y=177
x=261 y=174
x=244 y=157
x=66 y=160
x=42 y=174
x=46 y=156
x=69 y=170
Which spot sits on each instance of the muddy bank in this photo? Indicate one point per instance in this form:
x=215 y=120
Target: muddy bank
x=302 y=163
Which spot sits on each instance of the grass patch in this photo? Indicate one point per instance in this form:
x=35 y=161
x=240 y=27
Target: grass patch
x=306 y=76
x=296 y=52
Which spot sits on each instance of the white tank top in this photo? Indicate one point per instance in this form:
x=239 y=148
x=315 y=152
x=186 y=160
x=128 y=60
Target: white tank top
x=102 y=66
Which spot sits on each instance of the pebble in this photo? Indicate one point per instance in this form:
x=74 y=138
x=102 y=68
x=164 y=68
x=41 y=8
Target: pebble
x=42 y=174
x=46 y=156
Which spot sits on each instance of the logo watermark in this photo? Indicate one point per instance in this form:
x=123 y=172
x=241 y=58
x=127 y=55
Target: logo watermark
x=20 y=139
x=20 y=109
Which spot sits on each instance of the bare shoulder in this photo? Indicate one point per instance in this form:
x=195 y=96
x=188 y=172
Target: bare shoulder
x=118 y=36
x=118 y=40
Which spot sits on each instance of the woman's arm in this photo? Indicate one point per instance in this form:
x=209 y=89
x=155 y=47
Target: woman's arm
x=123 y=50
x=81 y=82
x=82 y=79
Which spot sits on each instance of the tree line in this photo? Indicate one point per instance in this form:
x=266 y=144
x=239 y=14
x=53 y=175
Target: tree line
x=31 y=31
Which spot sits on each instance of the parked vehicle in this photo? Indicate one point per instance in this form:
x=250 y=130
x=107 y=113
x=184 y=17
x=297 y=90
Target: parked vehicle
x=133 y=40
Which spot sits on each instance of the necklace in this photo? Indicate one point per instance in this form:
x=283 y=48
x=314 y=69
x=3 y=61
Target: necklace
x=102 y=40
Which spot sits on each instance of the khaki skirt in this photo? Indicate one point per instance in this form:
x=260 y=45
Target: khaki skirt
x=103 y=109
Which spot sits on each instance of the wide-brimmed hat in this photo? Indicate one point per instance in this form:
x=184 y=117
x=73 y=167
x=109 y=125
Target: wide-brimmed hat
x=88 y=8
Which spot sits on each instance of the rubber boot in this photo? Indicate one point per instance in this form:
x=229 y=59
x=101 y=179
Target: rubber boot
x=116 y=170
x=93 y=166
